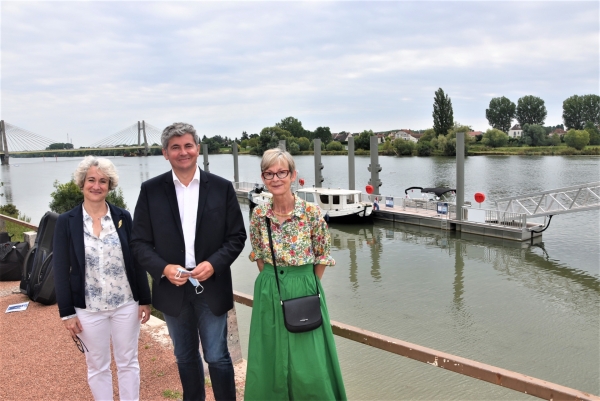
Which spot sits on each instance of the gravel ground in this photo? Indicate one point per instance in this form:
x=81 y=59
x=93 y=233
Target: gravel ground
x=40 y=361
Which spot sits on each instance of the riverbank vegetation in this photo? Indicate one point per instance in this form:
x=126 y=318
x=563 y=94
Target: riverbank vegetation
x=15 y=231
x=581 y=117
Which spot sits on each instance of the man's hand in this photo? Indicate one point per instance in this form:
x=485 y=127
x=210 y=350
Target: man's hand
x=170 y=272
x=203 y=271
x=144 y=313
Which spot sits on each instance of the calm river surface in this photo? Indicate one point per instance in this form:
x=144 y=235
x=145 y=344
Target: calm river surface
x=531 y=309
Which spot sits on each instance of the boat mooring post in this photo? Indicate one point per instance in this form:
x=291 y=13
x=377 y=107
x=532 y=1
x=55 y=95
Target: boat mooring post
x=374 y=167
x=205 y=154
x=460 y=175
x=351 y=171
x=282 y=144
x=318 y=165
x=236 y=173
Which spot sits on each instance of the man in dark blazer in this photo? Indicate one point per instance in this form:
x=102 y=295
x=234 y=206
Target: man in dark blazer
x=190 y=220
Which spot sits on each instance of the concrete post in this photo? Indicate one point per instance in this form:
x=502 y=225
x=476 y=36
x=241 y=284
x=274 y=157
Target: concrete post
x=460 y=175
x=29 y=237
x=318 y=165
x=374 y=167
x=236 y=173
x=351 y=170
x=205 y=154
x=282 y=145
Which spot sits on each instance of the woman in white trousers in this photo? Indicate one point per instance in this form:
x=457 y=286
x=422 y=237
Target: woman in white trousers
x=102 y=297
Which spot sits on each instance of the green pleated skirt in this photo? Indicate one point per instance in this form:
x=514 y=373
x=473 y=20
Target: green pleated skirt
x=284 y=365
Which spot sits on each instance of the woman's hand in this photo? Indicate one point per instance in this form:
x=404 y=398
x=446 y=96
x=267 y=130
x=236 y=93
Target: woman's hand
x=144 y=313
x=319 y=270
x=73 y=325
x=261 y=264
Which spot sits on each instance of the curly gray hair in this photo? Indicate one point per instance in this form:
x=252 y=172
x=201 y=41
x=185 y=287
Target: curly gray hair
x=178 y=129
x=103 y=165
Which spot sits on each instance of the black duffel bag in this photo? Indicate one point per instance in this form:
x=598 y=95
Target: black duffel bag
x=12 y=255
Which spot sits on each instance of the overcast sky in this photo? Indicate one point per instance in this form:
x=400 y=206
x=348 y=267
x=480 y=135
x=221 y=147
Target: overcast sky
x=90 y=69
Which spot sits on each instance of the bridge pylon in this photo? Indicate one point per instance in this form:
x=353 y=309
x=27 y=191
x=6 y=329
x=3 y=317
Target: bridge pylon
x=142 y=129
x=3 y=144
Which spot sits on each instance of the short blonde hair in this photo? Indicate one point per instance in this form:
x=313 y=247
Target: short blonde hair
x=272 y=156
x=103 y=165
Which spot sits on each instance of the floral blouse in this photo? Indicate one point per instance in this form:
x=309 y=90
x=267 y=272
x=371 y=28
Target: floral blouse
x=106 y=283
x=302 y=239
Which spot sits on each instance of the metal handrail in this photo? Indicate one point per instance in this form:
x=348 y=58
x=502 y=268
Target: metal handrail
x=498 y=217
x=467 y=367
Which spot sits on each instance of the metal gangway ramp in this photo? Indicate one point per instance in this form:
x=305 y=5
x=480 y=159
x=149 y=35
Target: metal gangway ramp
x=577 y=198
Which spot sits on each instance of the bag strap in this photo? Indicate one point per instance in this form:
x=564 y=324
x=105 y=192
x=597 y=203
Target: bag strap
x=268 y=221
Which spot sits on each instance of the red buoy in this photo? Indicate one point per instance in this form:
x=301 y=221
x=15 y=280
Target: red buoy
x=301 y=182
x=369 y=189
x=479 y=197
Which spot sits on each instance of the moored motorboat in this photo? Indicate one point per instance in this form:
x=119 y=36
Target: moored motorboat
x=337 y=205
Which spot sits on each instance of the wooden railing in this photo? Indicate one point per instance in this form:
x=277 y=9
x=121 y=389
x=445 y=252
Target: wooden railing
x=491 y=374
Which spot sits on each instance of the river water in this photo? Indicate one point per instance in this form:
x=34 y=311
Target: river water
x=534 y=309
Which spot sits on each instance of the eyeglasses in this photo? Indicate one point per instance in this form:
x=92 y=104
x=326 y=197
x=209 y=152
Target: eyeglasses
x=267 y=175
x=80 y=345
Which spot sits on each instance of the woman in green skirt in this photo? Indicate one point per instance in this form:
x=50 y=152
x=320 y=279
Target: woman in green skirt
x=284 y=365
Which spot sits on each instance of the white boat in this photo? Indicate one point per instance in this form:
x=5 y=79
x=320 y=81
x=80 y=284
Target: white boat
x=338 y=205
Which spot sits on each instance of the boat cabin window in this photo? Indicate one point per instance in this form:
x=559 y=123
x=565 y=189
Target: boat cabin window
x=301 y=195
x=349 y=199
x=324 y=199
x=336 y=199
x=310 y=197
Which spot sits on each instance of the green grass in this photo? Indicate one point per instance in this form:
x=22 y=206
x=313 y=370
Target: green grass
x=15 y=231
x=172 y=394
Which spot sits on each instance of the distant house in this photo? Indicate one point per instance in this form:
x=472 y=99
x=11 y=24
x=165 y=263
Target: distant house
x=474 y=133
x=405 y=134
x=341 y=137
x=558 y=131
x=380 y=138
x=515 y=132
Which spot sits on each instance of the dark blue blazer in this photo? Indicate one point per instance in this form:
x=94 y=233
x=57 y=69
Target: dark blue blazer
x=157 y=239
x=69 y=260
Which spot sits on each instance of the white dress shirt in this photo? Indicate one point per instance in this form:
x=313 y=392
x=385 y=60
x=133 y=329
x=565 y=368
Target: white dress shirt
x=187 y=200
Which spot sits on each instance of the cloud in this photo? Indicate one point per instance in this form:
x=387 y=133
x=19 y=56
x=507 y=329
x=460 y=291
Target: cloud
x=92 y=68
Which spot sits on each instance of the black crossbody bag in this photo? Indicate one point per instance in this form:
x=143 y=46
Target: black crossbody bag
x=299 y=314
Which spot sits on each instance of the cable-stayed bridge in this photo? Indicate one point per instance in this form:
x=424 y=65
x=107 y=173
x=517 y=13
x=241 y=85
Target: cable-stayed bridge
x=14 y=139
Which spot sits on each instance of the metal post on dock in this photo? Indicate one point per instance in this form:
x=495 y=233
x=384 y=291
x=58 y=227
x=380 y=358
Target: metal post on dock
x=374 y=167
x=236 y=172
x=282 y=145
x=460 y=175
x=351 y=170
x=318 y=165
x=205 y=154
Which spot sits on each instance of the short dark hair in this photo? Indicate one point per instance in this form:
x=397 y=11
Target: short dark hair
x=178 y=129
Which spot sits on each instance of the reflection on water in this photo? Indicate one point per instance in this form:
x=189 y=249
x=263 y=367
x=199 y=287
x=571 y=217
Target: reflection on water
x=488 y=299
